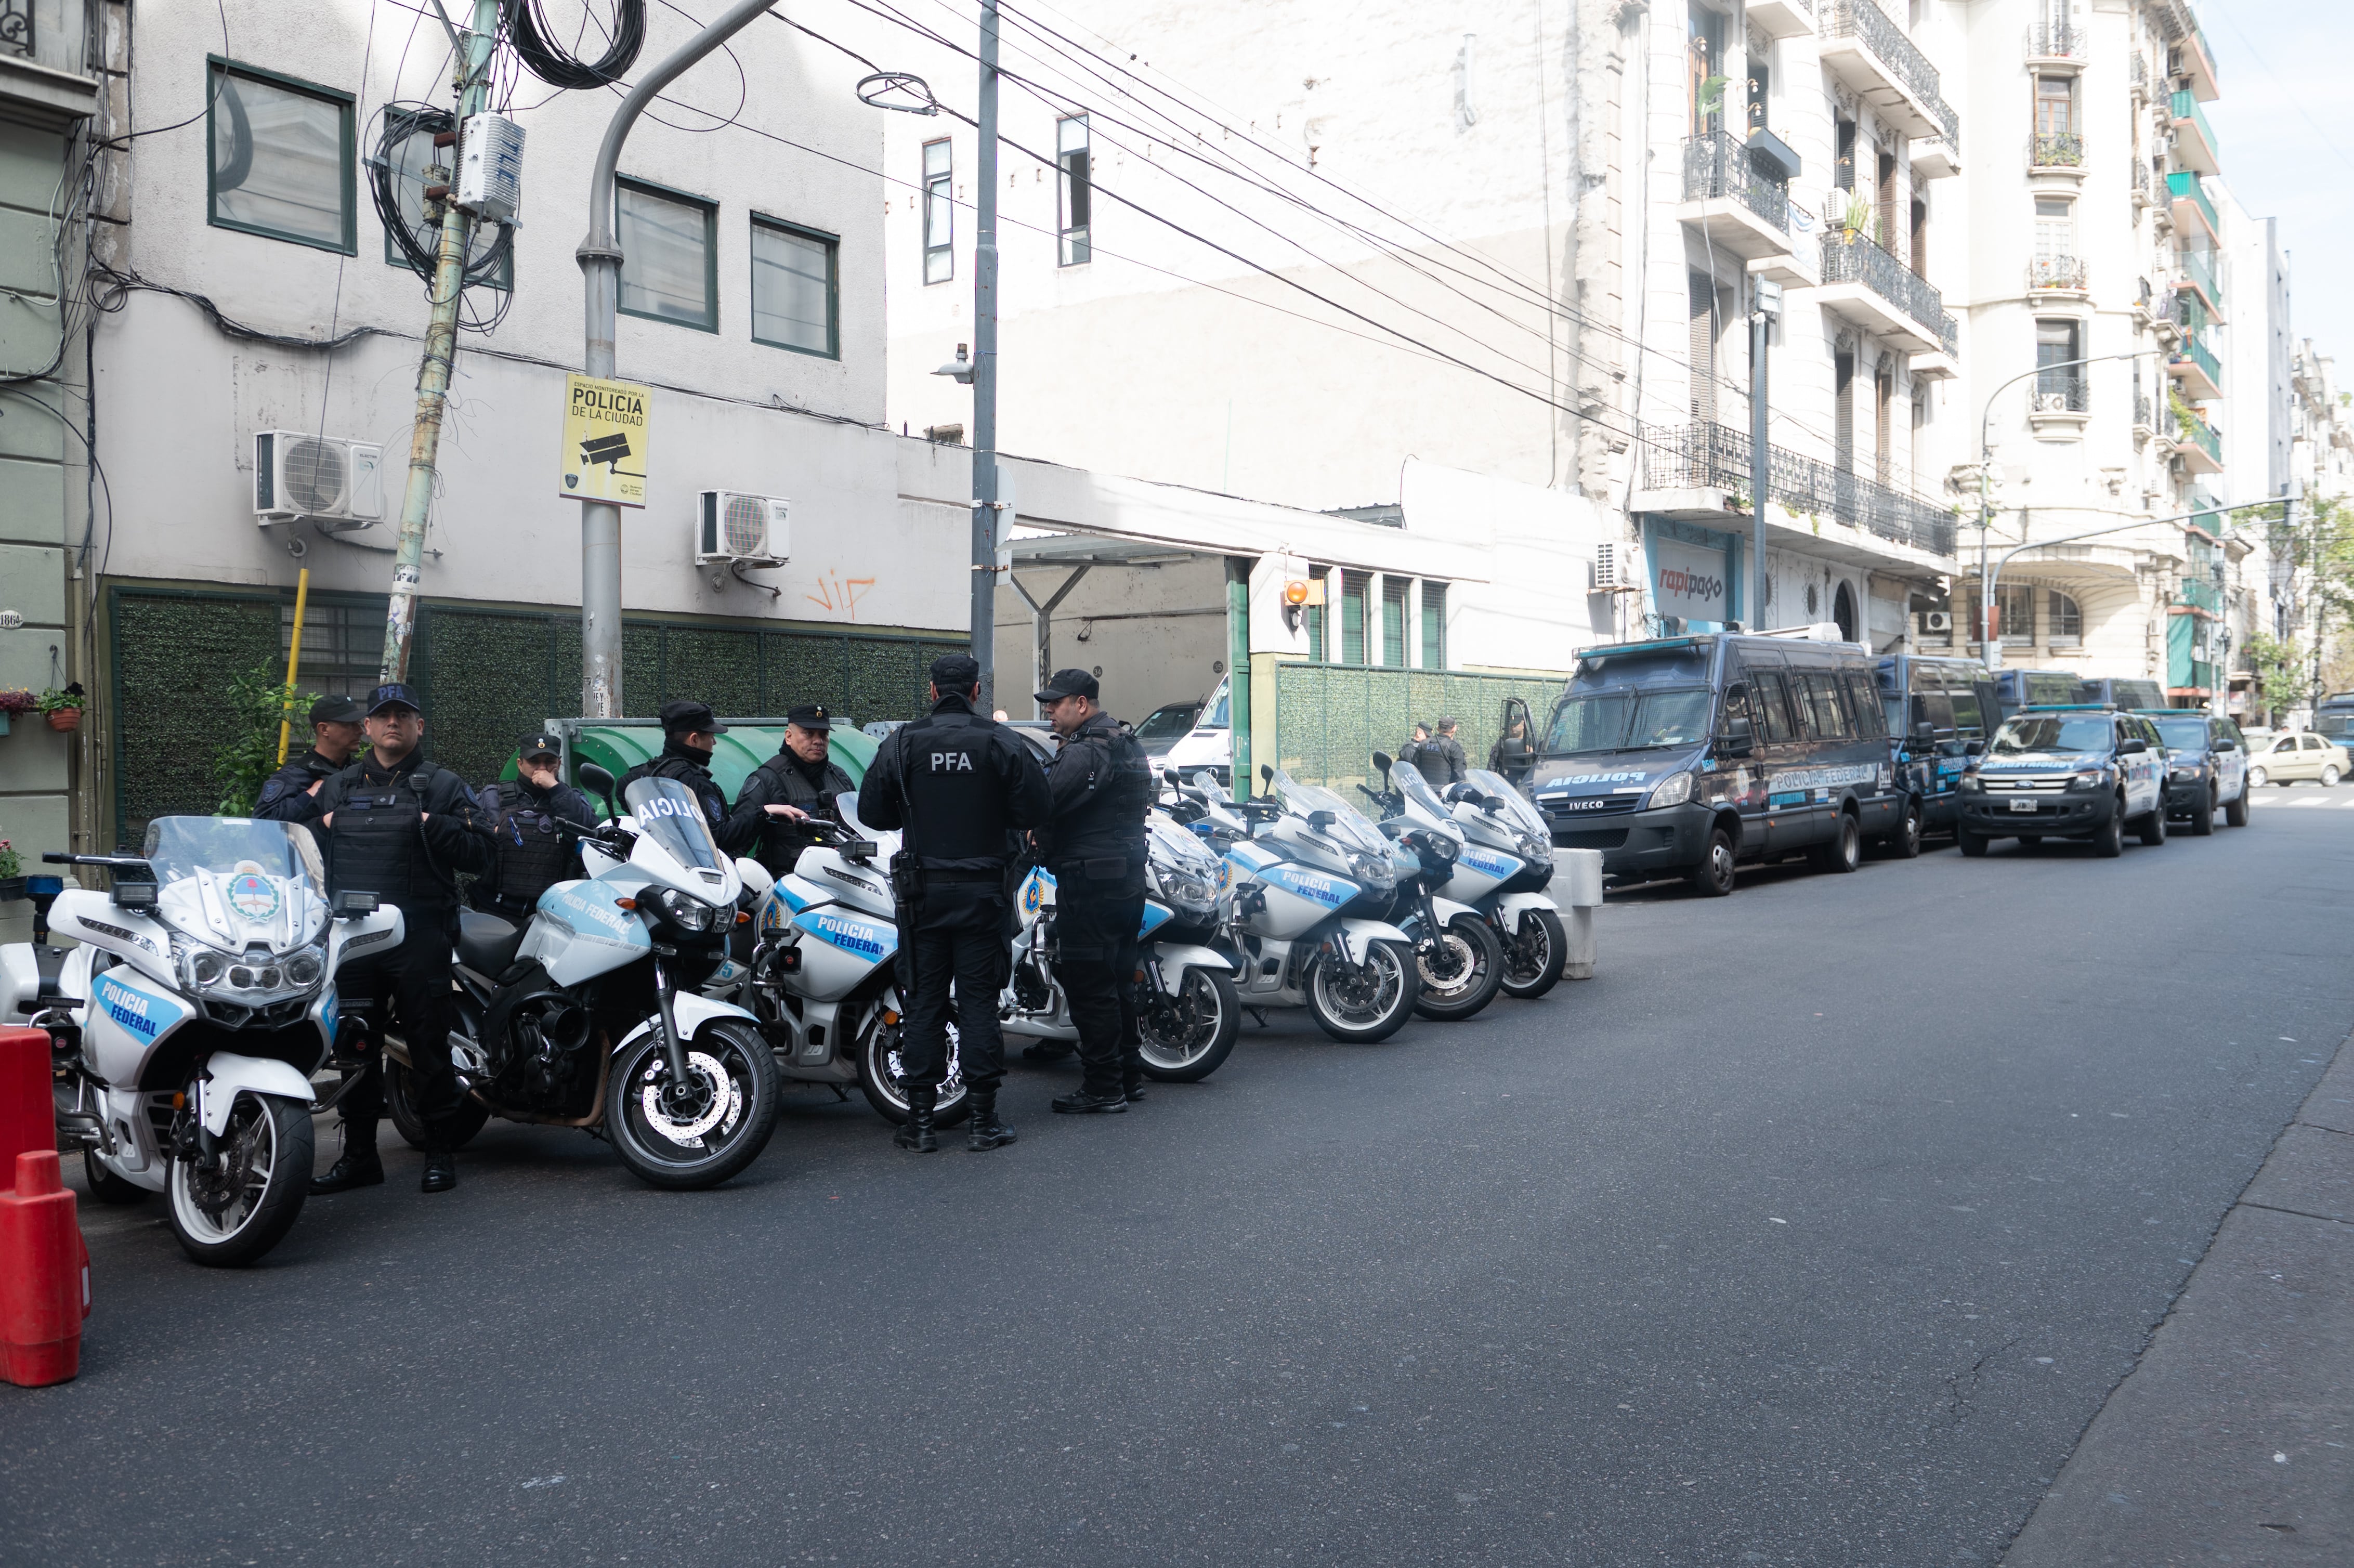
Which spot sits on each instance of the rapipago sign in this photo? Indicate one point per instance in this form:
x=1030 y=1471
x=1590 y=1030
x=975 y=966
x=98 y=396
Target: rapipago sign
x=604 y=449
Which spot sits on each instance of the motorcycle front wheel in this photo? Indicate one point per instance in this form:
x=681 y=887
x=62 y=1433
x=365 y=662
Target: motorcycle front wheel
x=1363 y=1003
x=881 y=1070
x=700 y=1135
x=1184 y=1038
x=234 y=1204
x=1533 y=955
x=1462 y=973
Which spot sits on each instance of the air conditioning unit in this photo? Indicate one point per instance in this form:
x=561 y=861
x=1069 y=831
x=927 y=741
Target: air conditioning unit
x=1937 y=621
x=298 y=474
x=1615 y=566
x=743 y=530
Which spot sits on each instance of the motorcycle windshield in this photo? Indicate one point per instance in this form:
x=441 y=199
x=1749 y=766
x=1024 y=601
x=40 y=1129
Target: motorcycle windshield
x=229 y=882
x=1349 y=825
x=179 y=848
x=1407 y=780
x=667 y=812
x=1181 y=850
x=1516 y=806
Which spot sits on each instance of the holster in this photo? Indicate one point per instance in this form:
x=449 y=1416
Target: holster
x=906 y=880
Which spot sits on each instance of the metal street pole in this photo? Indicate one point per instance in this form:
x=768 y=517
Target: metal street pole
x=1766 y=303
x=599 y=255
x=440 y=348
x=984 y=374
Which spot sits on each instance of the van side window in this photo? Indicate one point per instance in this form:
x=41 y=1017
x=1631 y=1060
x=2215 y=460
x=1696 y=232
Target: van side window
x=1773 y=718
x=1870 y=722
x=1969 y=719
x=1937 y=708
x=1736 y=714
x=1826 y=714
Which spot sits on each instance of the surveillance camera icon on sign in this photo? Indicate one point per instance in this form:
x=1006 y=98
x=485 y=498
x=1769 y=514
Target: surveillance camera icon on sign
x=606 y=449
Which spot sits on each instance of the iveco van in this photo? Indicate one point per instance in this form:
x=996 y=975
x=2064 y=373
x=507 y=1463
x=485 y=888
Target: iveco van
x=1940 y=712
x=2118 y=692
x=1686 y=756
x=2017 y=689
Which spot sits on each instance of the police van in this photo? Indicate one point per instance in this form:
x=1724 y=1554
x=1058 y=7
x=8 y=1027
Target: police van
x=2119 y=692
x=1940 y=715
x=2017 y=689
x=1687 y=756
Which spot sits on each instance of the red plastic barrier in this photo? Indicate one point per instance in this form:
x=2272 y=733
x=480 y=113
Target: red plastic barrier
x=44 y=1276
x=29 y=1111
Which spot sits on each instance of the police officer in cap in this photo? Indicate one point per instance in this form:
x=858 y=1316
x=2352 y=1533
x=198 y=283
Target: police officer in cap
x=290 y=795
x=960 y=787
x=689 y=732
x=533 y=852
x=402 y=828
x=1100 y=785
x=799 y=784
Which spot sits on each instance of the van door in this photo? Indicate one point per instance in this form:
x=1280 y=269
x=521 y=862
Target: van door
x=1830 y=749
x=1781 y=750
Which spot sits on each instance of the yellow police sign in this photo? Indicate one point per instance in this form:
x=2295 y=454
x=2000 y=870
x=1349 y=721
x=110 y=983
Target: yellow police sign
x=605 y=425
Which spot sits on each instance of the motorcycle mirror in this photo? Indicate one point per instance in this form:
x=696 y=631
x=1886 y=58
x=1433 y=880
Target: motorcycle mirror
x=598 y=779
x=353 y=903
x=1382 y=763
x=1266 y=773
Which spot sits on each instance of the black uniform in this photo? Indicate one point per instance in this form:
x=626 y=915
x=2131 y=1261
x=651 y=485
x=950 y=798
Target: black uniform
x=531 y=855
x=286 y=796
x=1100 y=787
x=1442 y=761
x=960 y=787
x=784 y=780
x=691 y=768
x=403 y=832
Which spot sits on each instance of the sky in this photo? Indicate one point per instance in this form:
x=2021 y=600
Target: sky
x=2288 y=149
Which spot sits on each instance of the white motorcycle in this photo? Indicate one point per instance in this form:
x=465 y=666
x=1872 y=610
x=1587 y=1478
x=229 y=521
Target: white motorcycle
x=186 y=1024
x=1188 y=1011
x=1501 y=868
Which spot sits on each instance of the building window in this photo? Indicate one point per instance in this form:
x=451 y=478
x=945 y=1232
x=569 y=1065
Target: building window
x=2055 y=228
x=342 y=648
x=2055 y=106
x=1701 y=296
x=1704 y=67
x=2058 y=374
x=670 y=256
x=2014 y=611
x=939 y=214
x=2065 y=622
x=796 y=288
x=1317 y=649
x=410 y=158
x=1075 y=181
x=282 y=161
x=1353 y=615
x=1433 y=626
x=1394 y=622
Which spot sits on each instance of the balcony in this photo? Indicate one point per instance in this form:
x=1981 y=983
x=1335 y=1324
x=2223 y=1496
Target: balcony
x=1935 y=158
x=2059 y=277
x=2056 y=152
x=2196 y=444
x=2055 y=48
x=2059 y=405
x=1711 y=460
x=1783 y=18
x=2188 y=56
x=2194 y=139
x=2196 y=370
x=2194 y=211
x=17 y=28
x=2138 y=74
x=1871 y=55
x=1876 y=292
x=1740 y=201
x=2144 y=417
x=2201 y=279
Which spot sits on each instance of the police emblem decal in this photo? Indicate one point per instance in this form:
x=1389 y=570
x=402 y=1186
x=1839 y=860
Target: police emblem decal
x=253 y=896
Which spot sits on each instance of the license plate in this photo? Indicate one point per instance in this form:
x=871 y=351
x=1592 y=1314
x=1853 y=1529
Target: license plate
x=2022 y=805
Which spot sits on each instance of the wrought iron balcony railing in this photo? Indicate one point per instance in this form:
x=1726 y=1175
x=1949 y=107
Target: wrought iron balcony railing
x=1863 y=19
x=2143 y=412
x=1850 y=258
x=1708 y=455
x=2057 y=273
x=17 y=27
x=2056 y=150
x=1717 y=167
x=2063 y=392
x=2050 y=40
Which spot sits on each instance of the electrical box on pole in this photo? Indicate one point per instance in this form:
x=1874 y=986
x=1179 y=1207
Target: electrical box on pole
x=490 y=169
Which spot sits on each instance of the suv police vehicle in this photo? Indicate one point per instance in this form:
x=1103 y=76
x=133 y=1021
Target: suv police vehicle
x=2206 y=767
x=2075 y=772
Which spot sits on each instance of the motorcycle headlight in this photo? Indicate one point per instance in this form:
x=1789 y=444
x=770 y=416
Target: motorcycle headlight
x=1441 y=846
x=1376 y=872
x=684 y=910
x=1673 y=790
x=306 y=968
x=203 y=967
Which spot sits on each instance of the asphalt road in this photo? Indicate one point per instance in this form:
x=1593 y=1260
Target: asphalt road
x=1814 y=1230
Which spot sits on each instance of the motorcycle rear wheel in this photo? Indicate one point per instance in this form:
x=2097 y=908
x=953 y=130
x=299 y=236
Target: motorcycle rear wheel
x=229 y=1208
x=1186 y=1044
x=1473 y=970
x=879 y=1069
x=458 y=1126
x=709 y=1140
x=1535 y=955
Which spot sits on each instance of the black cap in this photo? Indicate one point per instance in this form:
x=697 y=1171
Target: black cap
x=531 y=745
x=393 y=695
x=1068 y=683
x=958 y=673
x=688 y=716
x=809 y=716
x=337 y=710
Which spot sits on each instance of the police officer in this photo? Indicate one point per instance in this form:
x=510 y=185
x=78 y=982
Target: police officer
x=797 y=785
x=290 y=795
x=961 y=787
x=533 y=852
x=689 y=732
x=1100 y=785
x=402 y=828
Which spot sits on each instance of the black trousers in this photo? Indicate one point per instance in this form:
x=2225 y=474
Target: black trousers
x=1095 y=940
x=960 y=940
x=414 y=982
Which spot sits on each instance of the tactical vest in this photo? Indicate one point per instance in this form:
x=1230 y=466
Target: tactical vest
x=781 y=841
x=377 y=841
x=534 y=855
x=695 y=775
x=955 y=792
x=1109 y=819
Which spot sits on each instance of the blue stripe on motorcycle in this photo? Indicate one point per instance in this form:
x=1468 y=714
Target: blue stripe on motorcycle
x=869 y=939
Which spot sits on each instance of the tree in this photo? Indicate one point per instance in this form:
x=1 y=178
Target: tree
x=251 y=710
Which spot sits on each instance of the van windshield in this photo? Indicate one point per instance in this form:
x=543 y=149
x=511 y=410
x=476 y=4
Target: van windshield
x=2335 y=723
x=2027 y=733
x=1627 y=720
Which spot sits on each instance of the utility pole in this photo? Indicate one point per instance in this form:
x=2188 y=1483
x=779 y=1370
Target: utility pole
x=440 y=348
x=599 y=255
x=984 y=374
x=1765 y=302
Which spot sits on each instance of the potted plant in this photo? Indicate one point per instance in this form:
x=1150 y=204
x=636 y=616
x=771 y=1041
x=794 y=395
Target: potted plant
x=63 y=706
x=11 y=872
x=15 y=700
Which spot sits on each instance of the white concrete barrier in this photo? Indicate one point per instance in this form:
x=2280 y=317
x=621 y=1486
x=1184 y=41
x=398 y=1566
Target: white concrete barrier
x=1576 y=886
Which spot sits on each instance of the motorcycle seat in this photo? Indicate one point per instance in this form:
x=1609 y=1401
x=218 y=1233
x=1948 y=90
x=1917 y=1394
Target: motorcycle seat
x=486 y=944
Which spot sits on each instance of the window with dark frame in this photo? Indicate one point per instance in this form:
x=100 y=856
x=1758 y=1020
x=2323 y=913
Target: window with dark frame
x=796 y=288
x=1075 y=182
x=1353 y=587
x=1433 y=626
x=939 y=212
x=2065 y=621
x=1318 y=648
x=1394 y=622
x=670 y=255
x=281 y=160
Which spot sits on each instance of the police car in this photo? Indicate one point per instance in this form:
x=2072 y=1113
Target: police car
x=2076 y=772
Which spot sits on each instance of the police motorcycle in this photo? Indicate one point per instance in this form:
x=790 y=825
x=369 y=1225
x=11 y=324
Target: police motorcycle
x=186 y=1023
x=1188 y=1011
x=591 y=1014
x=823 y=977
x=1312 y=880
x=1503 y=872
x=1459 y=958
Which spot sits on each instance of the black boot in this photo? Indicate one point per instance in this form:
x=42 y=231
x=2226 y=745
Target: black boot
x=1045 y=1050
x=359 y=1166
x=441 y=1171
x=917 y=1134
x=984 y=1132
x=1088 y=1102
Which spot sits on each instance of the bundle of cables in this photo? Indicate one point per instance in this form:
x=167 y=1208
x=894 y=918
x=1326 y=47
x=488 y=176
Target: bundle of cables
x=529 y=29
x=404 y=149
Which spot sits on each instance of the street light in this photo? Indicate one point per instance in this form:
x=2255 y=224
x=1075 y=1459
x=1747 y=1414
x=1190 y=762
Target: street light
x=1987 y=648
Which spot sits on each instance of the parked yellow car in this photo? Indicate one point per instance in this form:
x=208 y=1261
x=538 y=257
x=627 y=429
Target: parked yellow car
x=2303 y=755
